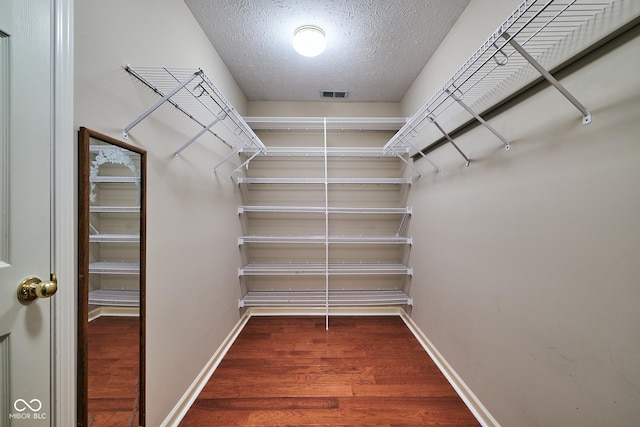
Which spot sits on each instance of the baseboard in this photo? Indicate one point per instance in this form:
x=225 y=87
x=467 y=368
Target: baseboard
x=473 y=403
x=475 y=406
x=183 y=405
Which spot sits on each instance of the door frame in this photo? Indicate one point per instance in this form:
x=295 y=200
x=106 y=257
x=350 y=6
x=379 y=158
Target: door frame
x=64 y=237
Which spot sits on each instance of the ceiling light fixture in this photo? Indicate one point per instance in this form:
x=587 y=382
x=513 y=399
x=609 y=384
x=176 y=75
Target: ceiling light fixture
x=309 y=40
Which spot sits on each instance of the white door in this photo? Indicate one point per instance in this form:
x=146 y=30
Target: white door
x=25 y=203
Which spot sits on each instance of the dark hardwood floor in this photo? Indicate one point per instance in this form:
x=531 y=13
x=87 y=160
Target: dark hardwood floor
x=113 y=371
x=363 y=371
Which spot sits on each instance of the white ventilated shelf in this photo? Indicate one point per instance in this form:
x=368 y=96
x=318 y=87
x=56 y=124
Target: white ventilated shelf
x=396 y=240
x=114 y=179
x=195 y=95
x=320 y=269
x=331 y=123
x=115 y=297
x=374 y=181
x=372 y=152
x=103 y=267
x=114 y=209
x=538 y=36
x=114 y=238
x=318 y=298
x=322 y=209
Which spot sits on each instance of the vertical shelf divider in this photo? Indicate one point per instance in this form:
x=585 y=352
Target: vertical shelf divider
x=326 y=224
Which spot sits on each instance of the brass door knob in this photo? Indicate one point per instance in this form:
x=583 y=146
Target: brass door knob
x=32 y=288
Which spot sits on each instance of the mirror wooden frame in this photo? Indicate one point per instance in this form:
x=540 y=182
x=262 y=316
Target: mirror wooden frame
x=84 y=187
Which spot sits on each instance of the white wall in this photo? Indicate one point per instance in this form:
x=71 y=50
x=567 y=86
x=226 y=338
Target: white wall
x=527 y=263
x=192 y=225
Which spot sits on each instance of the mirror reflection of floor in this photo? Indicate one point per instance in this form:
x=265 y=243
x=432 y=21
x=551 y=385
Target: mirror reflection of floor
x=113 y=373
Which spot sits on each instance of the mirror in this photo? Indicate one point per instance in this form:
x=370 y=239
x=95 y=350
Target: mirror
x=111 y=281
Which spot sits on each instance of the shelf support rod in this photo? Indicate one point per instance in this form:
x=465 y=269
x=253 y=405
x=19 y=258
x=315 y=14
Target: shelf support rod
x=586 y=114
x=326 y=224
x=407 y=162
x=446 y=135
x=470 y=110
x=233 y=153
x=236 y=170
x=219 y=117
x=424 y=156
x=154 y=107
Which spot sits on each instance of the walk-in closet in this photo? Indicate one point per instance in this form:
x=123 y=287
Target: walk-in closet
x=490 y=208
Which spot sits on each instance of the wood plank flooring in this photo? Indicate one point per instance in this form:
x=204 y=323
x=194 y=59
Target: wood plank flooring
x=113 y=371
x=363 y=371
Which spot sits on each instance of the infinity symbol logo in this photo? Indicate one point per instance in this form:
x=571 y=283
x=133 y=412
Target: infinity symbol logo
x=21 y=405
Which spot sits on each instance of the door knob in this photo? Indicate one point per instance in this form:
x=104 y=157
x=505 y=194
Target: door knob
x=32 y=288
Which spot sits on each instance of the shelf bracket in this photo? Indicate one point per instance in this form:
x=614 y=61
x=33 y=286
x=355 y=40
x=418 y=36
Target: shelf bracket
x=406 y=162
x=233 y=153
x=458 y=99
x=423 y=155
x=154 y=107
x=221 y=116
x=432 y=119
x=586 y=114
x=246 y=163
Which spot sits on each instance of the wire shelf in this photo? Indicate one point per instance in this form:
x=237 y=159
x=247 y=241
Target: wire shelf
x=192 y=93
x=319 y=298
x=322 y=269
x=115 y=297
x=548 y=31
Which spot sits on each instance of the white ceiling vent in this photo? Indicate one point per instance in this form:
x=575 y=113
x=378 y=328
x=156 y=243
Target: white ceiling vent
x=340 y=94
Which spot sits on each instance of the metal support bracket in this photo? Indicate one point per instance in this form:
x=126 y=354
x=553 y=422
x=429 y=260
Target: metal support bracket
x=154 y=107
x=243 y=165
x=406 y=162
x=221 y=116
x=424 y=156
x=586 y=114
x=459 y=100
x=446 y=135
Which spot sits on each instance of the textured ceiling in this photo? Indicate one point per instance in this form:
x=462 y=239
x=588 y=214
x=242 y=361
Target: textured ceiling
x=375 y=48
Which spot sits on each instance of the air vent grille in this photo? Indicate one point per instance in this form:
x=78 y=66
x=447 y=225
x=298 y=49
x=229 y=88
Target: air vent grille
x=334 y=94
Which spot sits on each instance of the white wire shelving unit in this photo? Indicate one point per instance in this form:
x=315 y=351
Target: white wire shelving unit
x=192 y=93
x=365 y=268
x=538 y=36
x=120 y=214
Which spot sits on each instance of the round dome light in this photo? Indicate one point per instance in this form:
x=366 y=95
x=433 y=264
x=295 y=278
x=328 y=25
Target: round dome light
x=309 y=40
